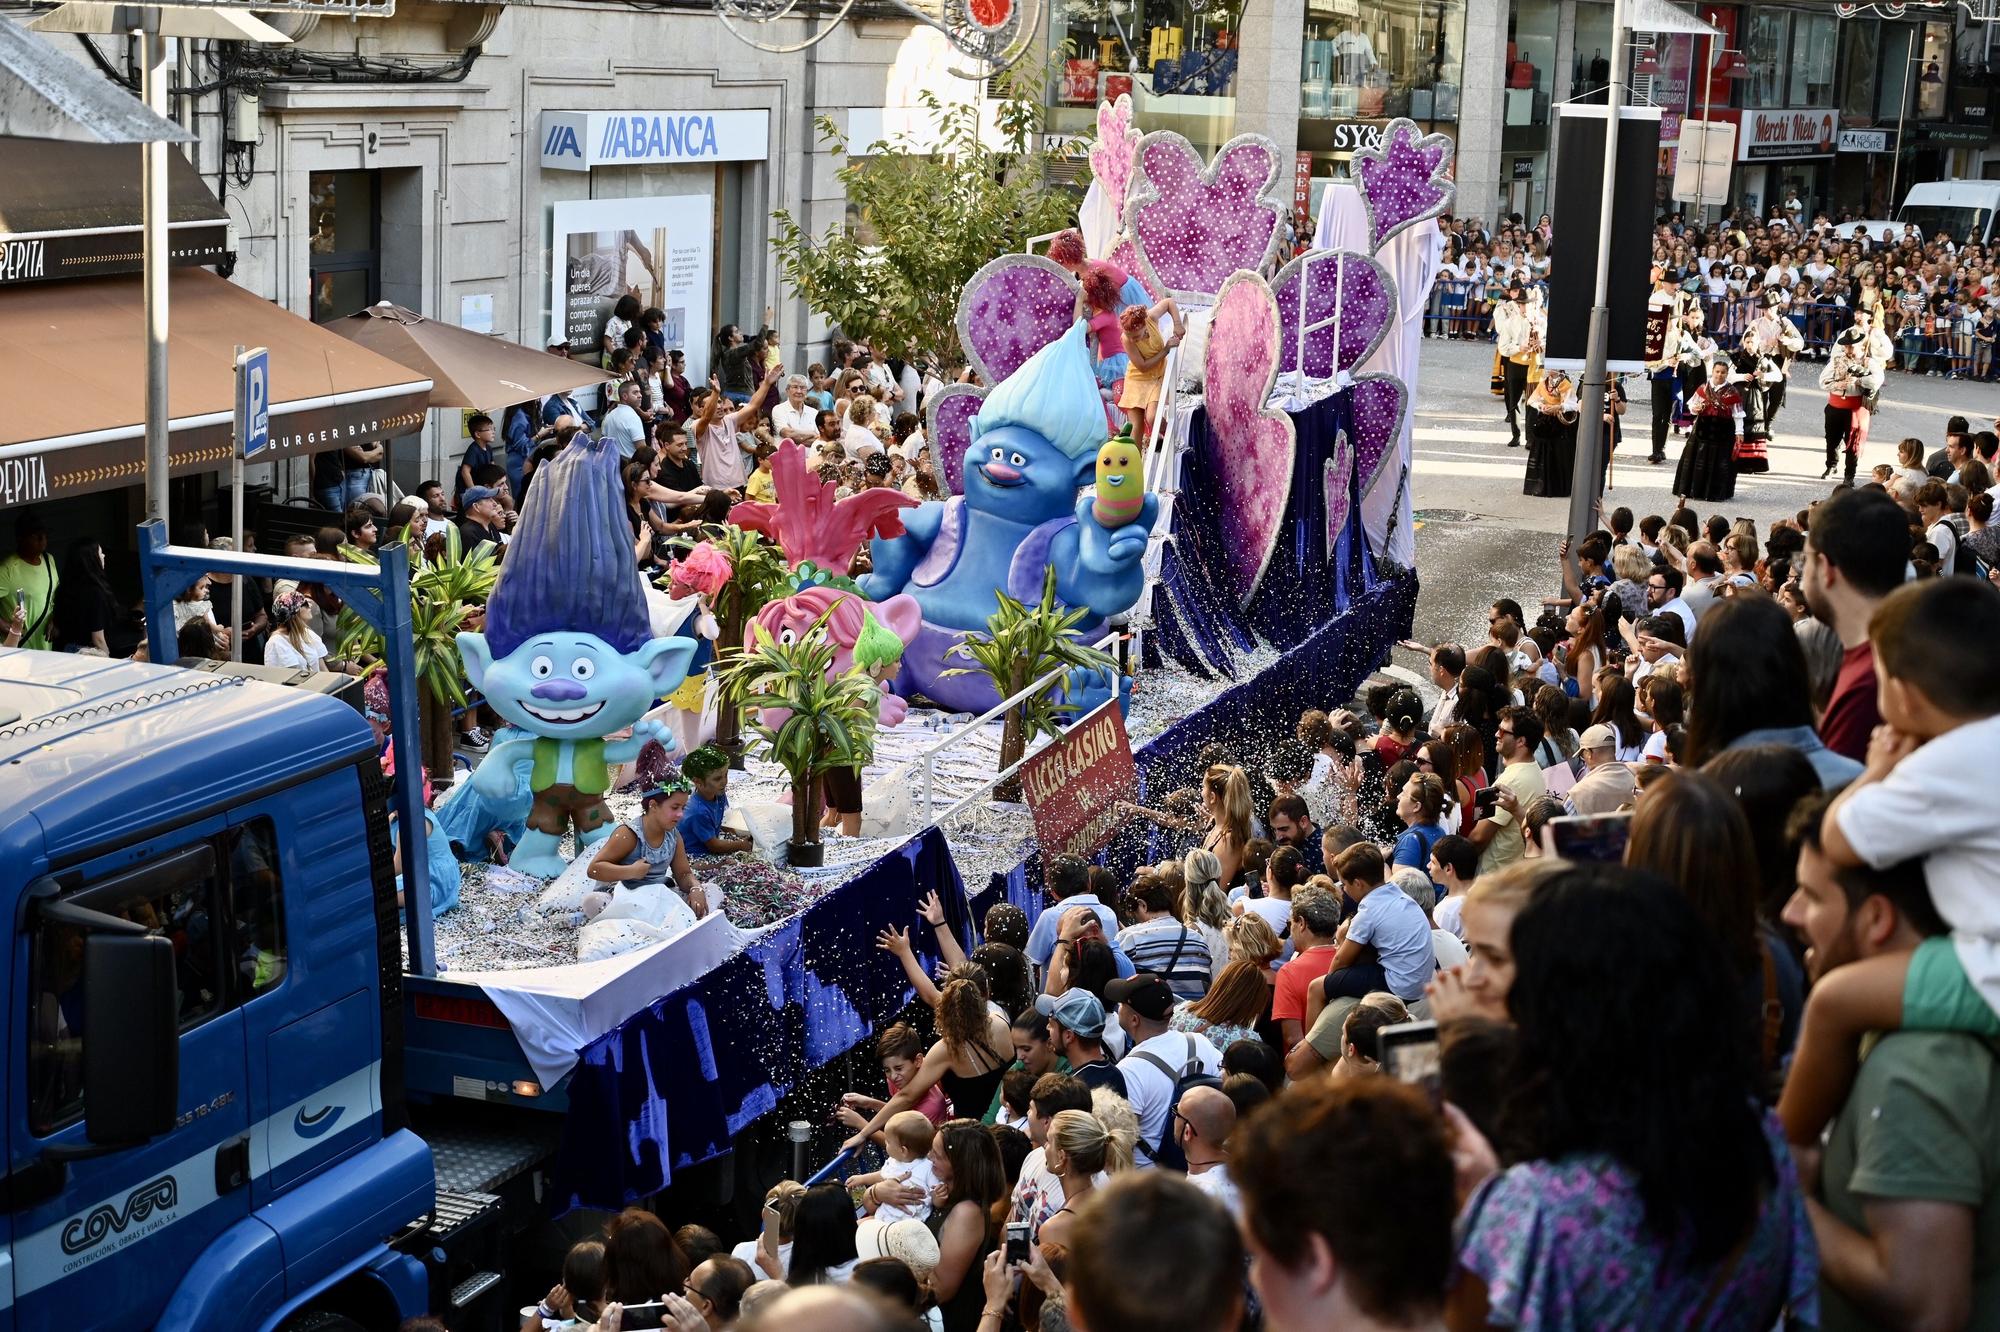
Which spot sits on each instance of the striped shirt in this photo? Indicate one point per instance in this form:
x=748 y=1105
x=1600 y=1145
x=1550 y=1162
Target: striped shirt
x=1172 y=950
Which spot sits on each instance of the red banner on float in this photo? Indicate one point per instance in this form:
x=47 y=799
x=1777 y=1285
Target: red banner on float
x=1074 y=786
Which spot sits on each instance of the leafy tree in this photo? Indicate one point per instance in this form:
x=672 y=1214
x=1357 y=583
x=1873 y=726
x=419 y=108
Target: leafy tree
x=928 y=220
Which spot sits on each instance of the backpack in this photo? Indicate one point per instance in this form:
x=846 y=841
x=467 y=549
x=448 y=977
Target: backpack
x=1166 y=1153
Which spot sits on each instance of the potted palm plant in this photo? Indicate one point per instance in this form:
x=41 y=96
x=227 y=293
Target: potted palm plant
x=809 y=720
x=757 y=574
x=1022 y=644
x=443 y=591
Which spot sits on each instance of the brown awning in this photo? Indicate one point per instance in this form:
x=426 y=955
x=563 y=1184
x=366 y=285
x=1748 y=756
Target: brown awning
x=467 y=369
x=72 y=210
x=73 y=376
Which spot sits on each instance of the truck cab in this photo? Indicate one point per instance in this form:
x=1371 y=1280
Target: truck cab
x=202 y=1007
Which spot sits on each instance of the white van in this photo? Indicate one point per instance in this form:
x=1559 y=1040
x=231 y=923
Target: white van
x=1958 y=208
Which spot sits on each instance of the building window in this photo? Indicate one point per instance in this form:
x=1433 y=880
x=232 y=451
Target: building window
x=1897 y=48
x=1767 y=48
x=1857 y=81
x=1814 y=37
x=346 y=245
x=1930 y=63
x=1384 y=62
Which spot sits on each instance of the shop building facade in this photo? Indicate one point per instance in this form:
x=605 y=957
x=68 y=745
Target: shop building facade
x=475 y=161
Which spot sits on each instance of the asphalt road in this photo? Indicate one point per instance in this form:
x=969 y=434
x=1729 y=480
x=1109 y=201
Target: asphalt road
x=1479 y=537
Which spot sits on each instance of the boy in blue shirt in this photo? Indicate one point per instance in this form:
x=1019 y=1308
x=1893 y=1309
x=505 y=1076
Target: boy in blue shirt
x=707 y=769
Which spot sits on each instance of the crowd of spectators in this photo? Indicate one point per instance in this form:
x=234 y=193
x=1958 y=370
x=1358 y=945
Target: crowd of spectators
x=1680 y=890
x=1937 y=297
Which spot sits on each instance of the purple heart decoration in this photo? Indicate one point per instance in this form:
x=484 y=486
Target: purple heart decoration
x=1404 y=180
x=1379 y=404
x=949 y=430
x=1339 y=479
x=1197 y=227
x=1126 y=255
x=1011 y=309
x=1254 y=450
x=1335 y=308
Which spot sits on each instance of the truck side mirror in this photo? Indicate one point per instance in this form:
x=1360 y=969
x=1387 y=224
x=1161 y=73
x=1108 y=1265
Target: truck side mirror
x=131 y=1048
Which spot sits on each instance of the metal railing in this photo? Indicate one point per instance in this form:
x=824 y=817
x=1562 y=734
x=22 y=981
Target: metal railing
x=928 y=758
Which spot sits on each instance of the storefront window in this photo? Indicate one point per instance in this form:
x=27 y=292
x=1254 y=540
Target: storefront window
x=1374 y=62
x=1590 y=63
x=1814 y=37
x=1531 y=61
x=1767 y=48
x=1176 y=57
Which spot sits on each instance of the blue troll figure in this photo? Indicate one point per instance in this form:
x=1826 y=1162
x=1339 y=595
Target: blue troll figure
x=1034 y=446
x=569 y=655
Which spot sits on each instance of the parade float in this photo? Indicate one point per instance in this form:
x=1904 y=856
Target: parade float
x=1246 y=560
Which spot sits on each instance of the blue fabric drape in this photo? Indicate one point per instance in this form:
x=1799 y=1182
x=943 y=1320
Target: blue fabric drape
x=676 y=1081
x=1198 y=622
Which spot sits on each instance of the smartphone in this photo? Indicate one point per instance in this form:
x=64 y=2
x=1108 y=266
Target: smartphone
x=1486 y=800
x=1408 y=1052
x=1017 y=1242
x=1590 y=838
x=646 y=1316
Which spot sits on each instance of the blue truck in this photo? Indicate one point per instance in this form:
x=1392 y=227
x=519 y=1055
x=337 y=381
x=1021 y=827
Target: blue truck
x=211 y=1034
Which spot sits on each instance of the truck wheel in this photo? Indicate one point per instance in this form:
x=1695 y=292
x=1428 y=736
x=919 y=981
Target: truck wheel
x=321 y=1320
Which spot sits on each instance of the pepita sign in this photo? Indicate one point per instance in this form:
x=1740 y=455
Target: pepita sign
x=580 y=140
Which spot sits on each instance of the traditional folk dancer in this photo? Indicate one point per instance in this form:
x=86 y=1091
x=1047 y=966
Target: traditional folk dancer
x=1707 y=469
x=1850 y=380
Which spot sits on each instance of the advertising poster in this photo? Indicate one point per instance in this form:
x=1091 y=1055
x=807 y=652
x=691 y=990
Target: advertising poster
x=660 y=250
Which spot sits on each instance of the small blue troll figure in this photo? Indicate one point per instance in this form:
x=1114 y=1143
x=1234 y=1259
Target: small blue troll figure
x=568 y=654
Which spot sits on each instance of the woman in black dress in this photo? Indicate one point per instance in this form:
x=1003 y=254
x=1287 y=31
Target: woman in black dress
x=1551 y=414
x=1754 y=372
x=1707 y=469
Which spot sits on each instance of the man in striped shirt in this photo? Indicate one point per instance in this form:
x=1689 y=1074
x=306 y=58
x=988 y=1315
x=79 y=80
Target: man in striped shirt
x=1160 y=943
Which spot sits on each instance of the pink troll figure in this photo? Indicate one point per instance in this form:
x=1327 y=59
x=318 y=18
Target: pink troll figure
x=789 y=619
x=702 y=573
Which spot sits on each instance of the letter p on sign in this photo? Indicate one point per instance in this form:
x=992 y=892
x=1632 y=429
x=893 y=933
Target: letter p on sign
x=253 y=401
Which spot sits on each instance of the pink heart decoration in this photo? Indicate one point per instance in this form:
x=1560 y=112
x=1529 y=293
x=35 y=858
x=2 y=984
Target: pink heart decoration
x=1112 y=154
x=1379 y=404
x=1339 y=481
x=1404 y=179
x=1011 y=309
x=949 y=431
x=1197 y=227
x=1348 y=299
x=1254 y=450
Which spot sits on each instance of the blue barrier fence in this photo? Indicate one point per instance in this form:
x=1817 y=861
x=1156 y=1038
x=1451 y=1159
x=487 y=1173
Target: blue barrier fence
x=1463 y=310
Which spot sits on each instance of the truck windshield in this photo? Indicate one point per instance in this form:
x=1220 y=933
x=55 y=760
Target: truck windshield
x=1961 y=223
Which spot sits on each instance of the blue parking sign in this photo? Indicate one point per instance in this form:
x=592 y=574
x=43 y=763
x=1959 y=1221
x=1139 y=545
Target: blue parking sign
x=253 y=401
